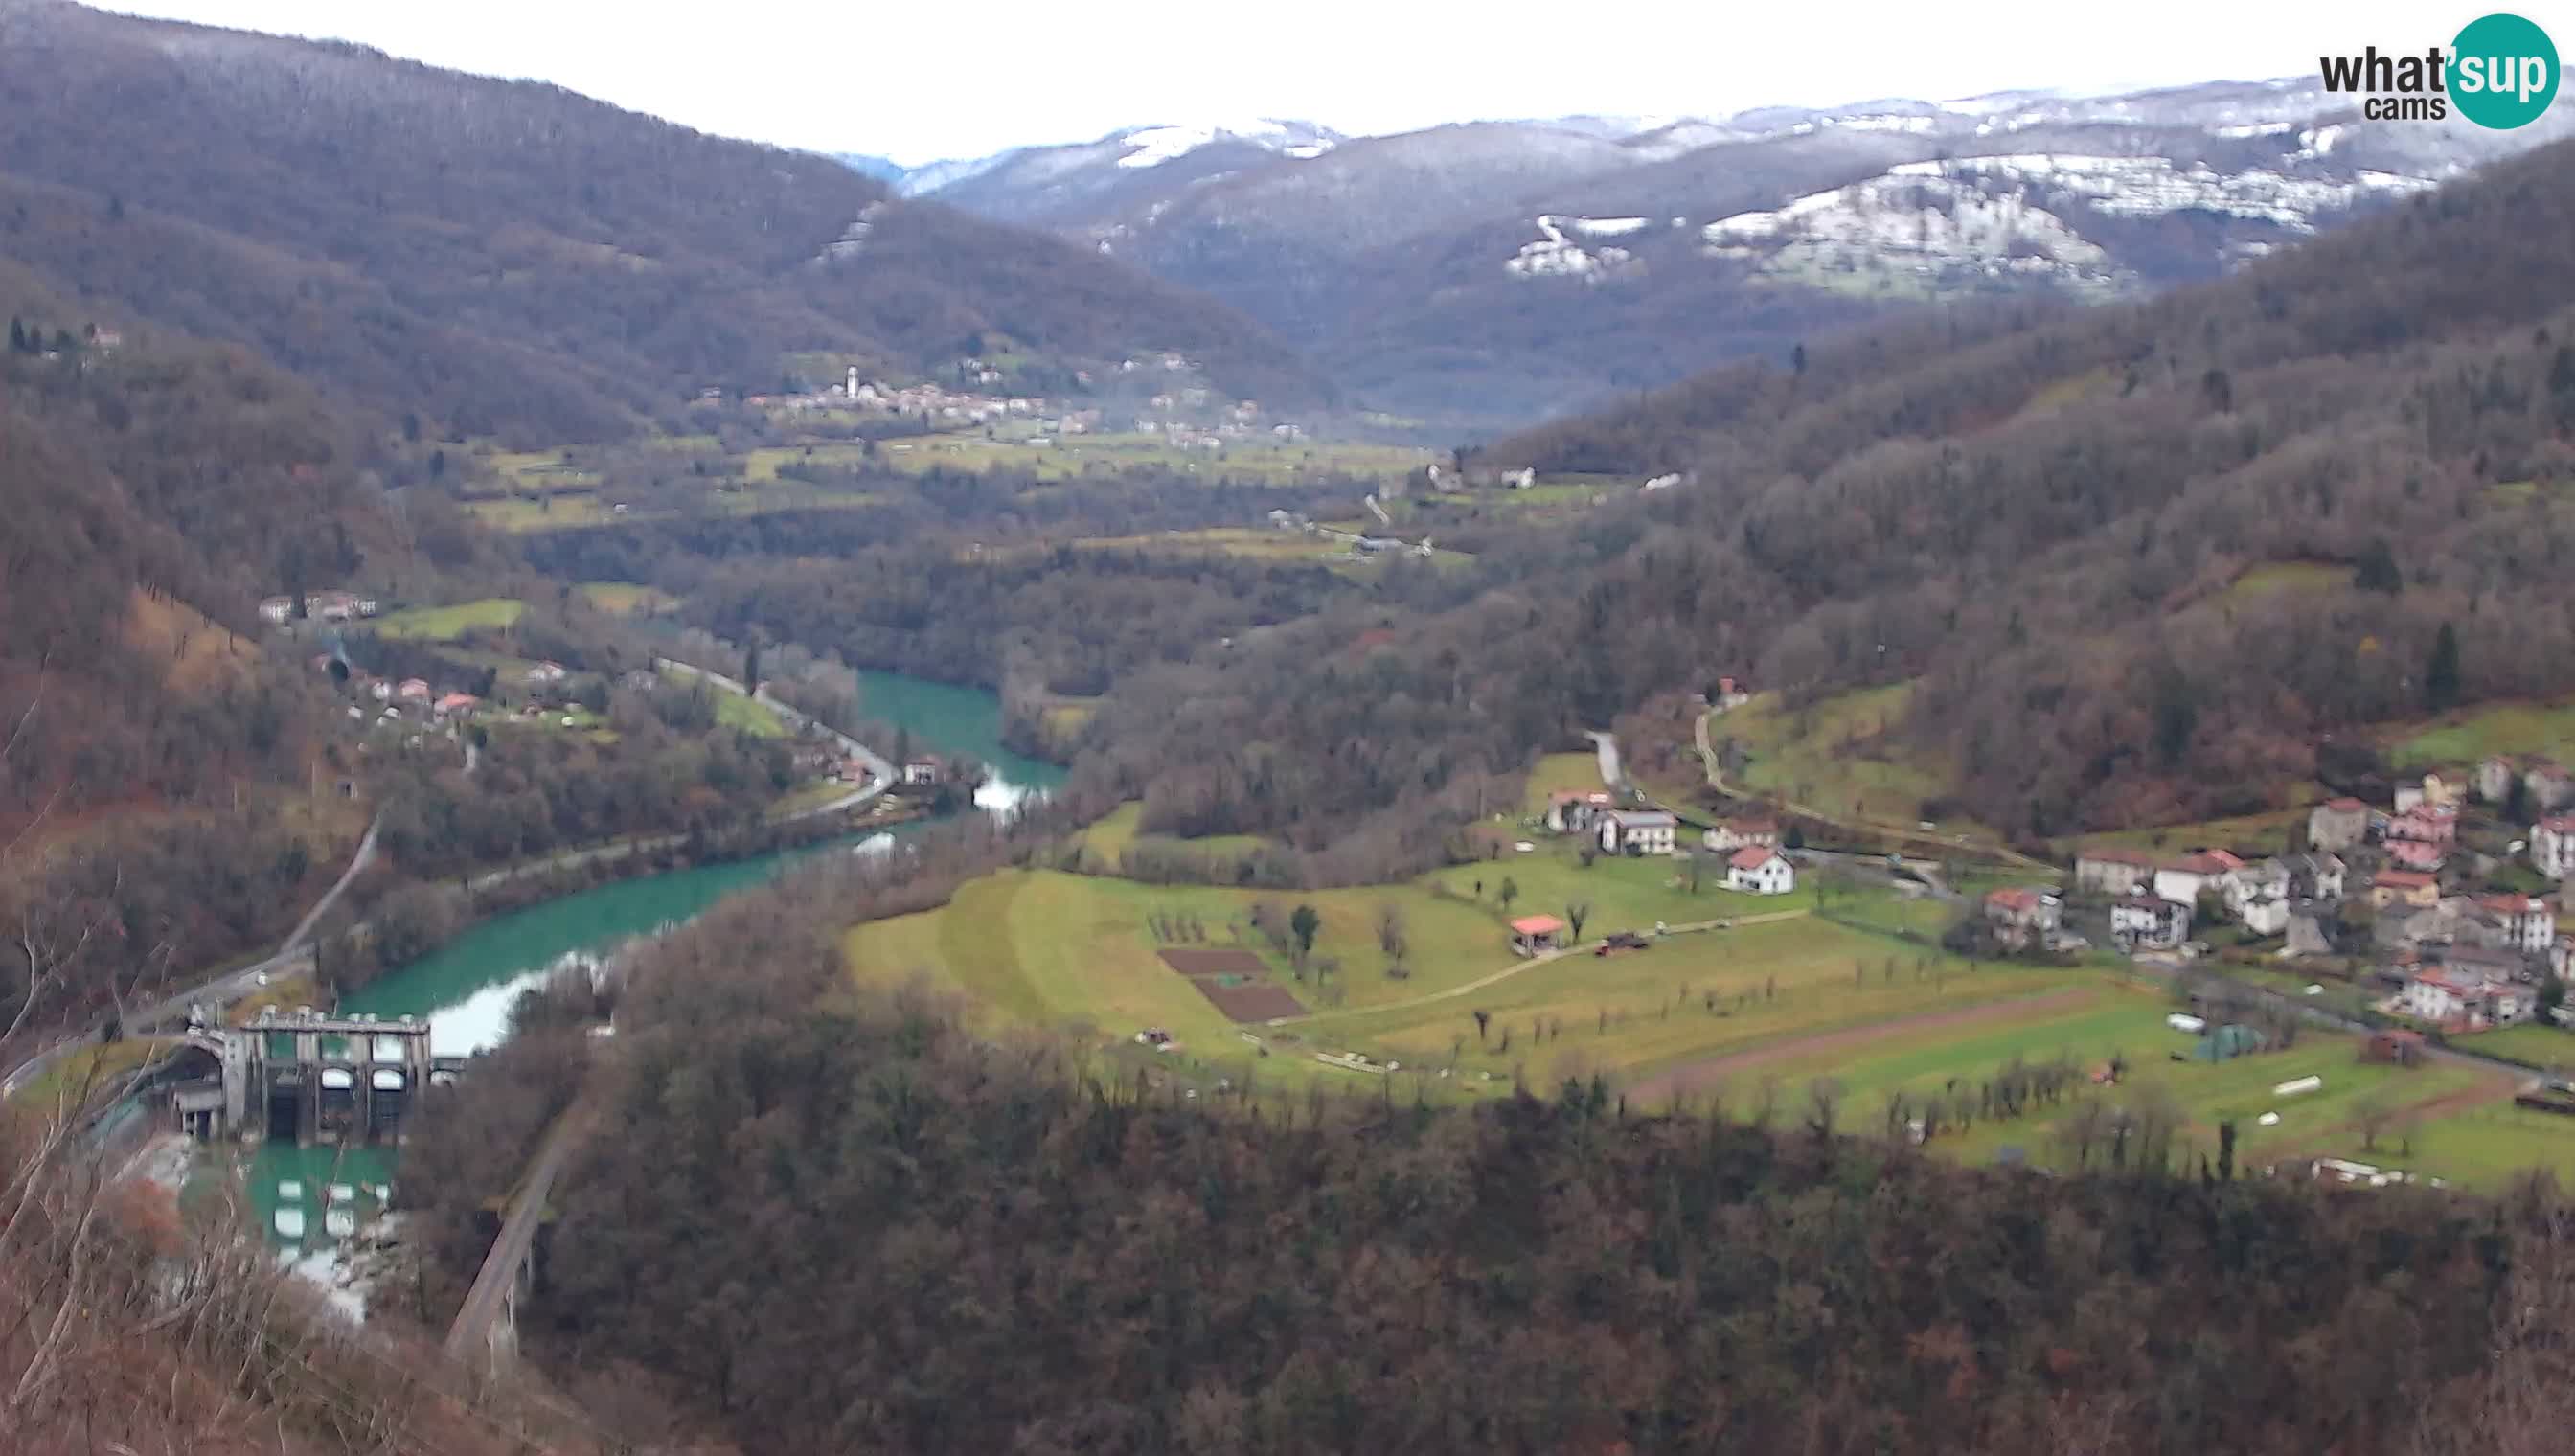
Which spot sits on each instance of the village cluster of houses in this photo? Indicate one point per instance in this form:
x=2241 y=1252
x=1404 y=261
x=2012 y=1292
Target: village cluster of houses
x=415 y=699
x=2449 y=955
x=1750 y=843
x=963 y=407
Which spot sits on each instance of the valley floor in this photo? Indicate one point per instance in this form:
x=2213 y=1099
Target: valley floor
x=1764 y=1007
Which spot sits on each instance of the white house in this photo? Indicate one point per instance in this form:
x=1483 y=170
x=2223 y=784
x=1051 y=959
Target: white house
x=921 y=770
x=2453 y=996
x=2552 y=846
x=276 y=609
x=2527 y=924
x=2141 y=921
x=2259 y=896
x=1760 y=870
x=1636 y=831
x=2183 y=879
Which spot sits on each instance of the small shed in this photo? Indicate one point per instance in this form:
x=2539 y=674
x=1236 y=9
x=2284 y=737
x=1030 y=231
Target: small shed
x=1533 y=934
x=2395 y=1045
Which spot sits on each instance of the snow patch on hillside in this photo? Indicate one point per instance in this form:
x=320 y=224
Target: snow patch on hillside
x=1153 y=146
x=2140 y=187
x=1915 y=124
x=1557 y=256
x=1931 y=224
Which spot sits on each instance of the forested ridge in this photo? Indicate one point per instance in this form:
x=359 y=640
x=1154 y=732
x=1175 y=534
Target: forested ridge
x=508 y=258
x=2032 y=515
x=814 y=1223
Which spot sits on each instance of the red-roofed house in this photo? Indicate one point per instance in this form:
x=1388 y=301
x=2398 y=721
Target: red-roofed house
x=412 y=690
x=2021 y=914
x=1760 y=870
x=2182 y=880
x=2113 y=870
x=2404 y=888
x=2337 y=823
x=2458 y=998
x=456 y=703
x=1533 y=934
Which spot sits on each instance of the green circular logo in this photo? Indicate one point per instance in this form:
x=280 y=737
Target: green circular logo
x=2503 y=72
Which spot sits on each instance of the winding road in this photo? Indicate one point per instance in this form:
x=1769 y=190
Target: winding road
x=290 y=957
x=223 y=989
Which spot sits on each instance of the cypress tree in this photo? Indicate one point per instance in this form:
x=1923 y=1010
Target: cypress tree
x=2441 y=679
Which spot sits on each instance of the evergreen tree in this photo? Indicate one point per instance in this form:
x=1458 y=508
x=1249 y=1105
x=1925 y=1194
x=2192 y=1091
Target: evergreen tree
x=1304 y=922
x=2377 y=571
x=2441 y=679
x=17 y=336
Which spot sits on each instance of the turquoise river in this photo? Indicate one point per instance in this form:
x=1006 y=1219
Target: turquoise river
x=309 y=1199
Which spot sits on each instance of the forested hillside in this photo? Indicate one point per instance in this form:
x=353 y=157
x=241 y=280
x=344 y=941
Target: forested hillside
x=2037 y=517
x=146 y=487
x=509 y=258
x=1060 y=1262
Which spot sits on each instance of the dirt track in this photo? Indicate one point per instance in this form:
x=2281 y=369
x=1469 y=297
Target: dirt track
x=2331 y=1140
x=1682 y=1081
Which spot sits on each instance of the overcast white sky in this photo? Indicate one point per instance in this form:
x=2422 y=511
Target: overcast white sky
x=919 y=80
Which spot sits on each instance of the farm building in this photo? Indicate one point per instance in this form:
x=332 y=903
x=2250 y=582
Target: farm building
x=2403 y=1048
x=1638 y=832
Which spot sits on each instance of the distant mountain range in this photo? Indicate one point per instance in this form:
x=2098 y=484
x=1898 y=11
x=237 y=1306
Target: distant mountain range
x=1495 y=271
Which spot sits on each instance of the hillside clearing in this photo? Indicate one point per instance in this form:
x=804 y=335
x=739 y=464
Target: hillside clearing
x=446 y=624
